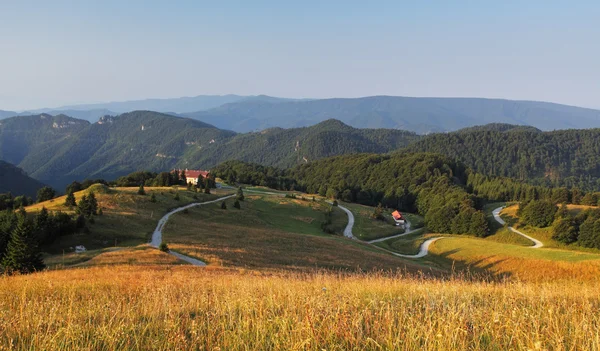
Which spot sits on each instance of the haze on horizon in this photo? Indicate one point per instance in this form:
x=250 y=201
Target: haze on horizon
x=67 y=52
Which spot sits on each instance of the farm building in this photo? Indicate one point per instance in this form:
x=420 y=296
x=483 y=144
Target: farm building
x=192 y=175
x=398 y=218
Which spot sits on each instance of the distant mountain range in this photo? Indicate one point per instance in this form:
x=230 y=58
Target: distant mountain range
x=421 y=115
x=60 y=149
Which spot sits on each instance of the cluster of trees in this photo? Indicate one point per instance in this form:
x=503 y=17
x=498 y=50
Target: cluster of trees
x=430 y=184
x=238 y=172
x=582 y=229
x=21 y=237
x=538 y=213
x=8 y=201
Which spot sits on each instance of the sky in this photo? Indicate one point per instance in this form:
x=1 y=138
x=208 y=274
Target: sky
x=55 y=53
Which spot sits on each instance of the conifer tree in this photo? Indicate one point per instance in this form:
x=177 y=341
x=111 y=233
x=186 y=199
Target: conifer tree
x=237 y=205
x=141 y=190
x=240 y=194
x=223 y=205
x=22 y=253
x=70 y=201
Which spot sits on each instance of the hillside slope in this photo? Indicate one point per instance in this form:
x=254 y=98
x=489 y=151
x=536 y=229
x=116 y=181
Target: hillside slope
x=565 y=157
x=15 y=181
x=289 y=147
x=421 y=115
x=58 y=150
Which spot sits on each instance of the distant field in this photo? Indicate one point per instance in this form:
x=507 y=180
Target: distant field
x=186 y=308
x=515 y=261
x=273 y=233
x=366 y=228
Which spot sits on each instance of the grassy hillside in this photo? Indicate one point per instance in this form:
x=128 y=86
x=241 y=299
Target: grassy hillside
x=128 y=219
x=273 y=233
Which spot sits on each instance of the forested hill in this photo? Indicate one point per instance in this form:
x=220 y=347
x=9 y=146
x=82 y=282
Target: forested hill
x=421 y=115
x=15 y=181
x=431 y=184
x=289 y=147
x=58 y=150
x=566 y=157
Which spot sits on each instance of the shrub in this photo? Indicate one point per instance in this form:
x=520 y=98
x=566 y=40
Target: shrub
x=237 y=205
x=176 y=197
x=163 y=247
x=141 y=190
x=223 y=205
x=152 y=198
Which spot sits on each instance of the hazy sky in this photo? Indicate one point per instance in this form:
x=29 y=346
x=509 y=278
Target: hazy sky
x=58 y=52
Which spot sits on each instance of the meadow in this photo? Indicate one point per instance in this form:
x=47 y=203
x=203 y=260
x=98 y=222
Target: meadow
x=273 y=233
x=186 y=308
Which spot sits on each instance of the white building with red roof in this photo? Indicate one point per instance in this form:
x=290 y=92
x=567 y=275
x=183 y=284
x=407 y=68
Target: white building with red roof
x=192 y=175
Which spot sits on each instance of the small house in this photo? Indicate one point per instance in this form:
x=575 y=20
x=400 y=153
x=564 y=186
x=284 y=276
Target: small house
x=192 y=176
x=398 y=218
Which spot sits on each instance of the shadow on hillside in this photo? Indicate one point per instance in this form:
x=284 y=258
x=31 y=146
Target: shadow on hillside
x=480 y=270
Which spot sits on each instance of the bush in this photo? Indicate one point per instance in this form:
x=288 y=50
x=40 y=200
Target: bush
x=141 y=190
x=335 y=203
x=378 y=213
x=223 y=205
x=163 y=247
x=237 y=205
x=176 y=197
x=152 y=198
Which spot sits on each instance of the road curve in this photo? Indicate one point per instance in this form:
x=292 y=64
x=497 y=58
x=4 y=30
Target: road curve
x=423 y=250
x=536 y=243
x=348 y=230
x=157 y=235
x=407 y=232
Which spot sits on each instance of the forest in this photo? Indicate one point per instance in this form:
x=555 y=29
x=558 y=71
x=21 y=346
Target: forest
x=569 y=158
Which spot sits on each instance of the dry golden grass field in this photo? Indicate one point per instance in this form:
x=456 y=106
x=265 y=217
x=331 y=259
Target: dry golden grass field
x=188 y=308
x=275 y=281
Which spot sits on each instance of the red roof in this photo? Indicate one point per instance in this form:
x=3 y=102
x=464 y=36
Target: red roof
x=190 y=173
x=397 y=215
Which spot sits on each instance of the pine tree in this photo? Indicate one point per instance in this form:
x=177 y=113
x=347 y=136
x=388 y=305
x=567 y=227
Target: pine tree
x=70 y=201
x=141 y=190
x=237 y=205
x=83 y=207
x=22 y=254
x=378 y=212
x=93 y=204
x=240 y=194
x=223 y=205
x=152 y=197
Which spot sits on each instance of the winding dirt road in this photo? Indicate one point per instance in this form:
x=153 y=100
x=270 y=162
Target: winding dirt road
x=423 y=250
x=536 y=243
x=157 y=235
